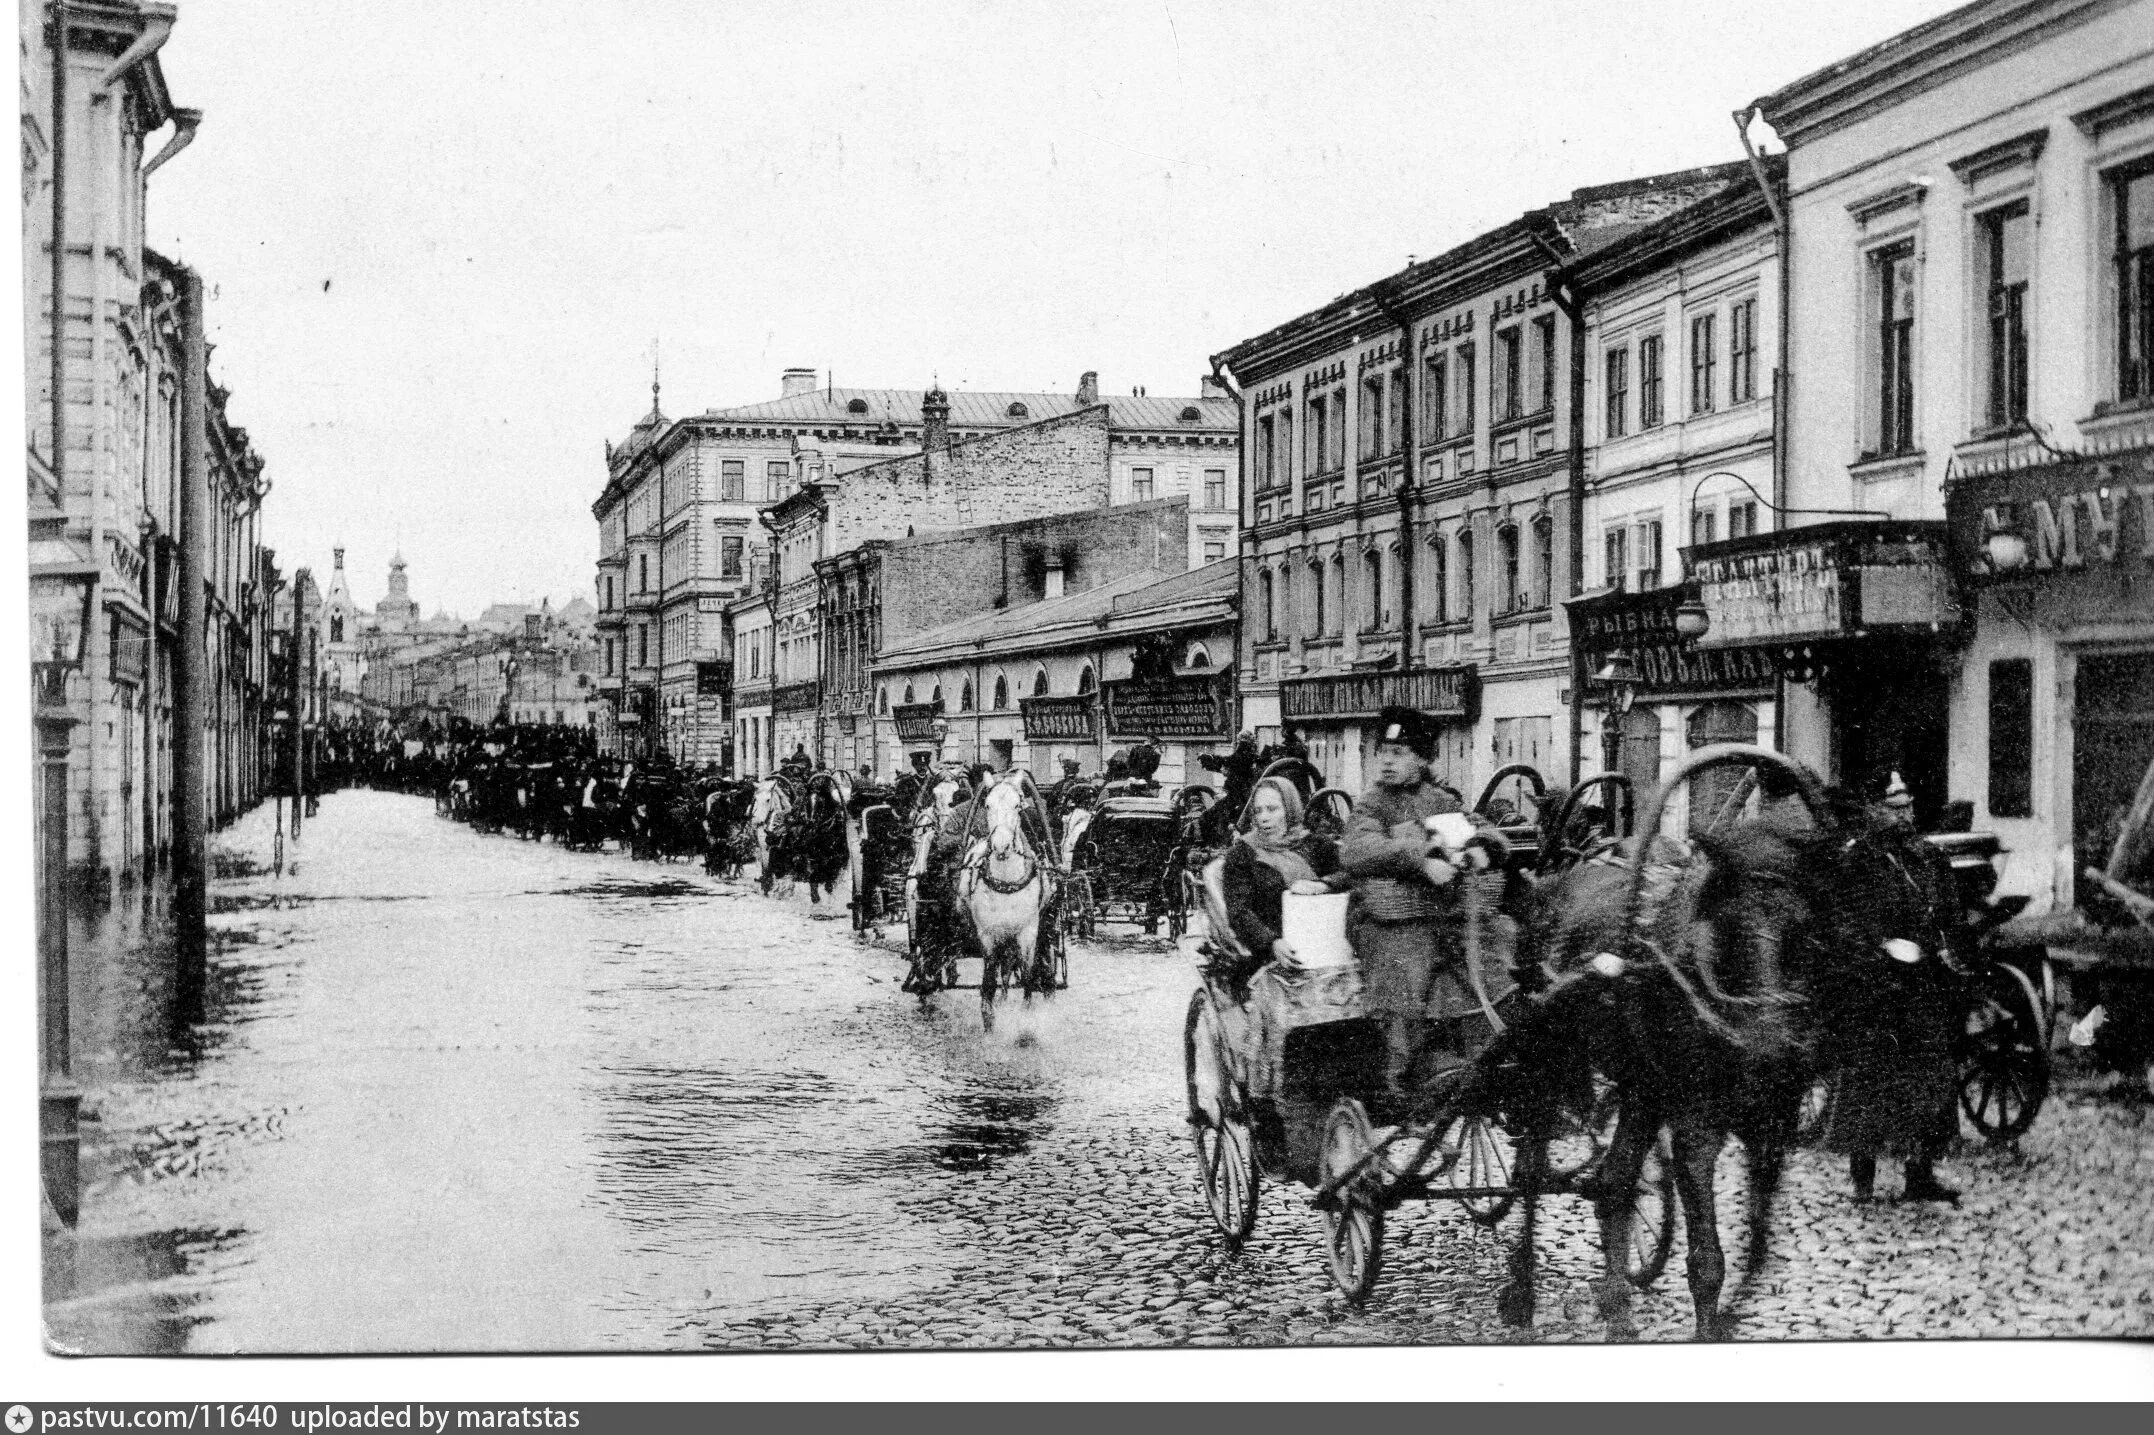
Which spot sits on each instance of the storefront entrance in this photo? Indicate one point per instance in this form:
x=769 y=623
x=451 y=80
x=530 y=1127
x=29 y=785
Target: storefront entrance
x=1890 y=713
x=2112 y=743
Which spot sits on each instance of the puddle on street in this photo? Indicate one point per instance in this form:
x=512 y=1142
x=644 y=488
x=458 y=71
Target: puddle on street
x=445 y=1090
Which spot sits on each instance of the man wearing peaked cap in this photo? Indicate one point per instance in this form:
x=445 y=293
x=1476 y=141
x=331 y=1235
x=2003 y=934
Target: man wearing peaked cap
x=1406 y=921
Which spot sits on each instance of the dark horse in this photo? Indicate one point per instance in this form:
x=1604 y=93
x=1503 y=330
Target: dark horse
x=1705 y=989
x=803 y=830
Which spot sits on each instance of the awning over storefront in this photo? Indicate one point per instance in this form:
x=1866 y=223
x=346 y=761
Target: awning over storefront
x=1452 y=693
x=1669 y=665
x=2076 y=536
x=1825 y=582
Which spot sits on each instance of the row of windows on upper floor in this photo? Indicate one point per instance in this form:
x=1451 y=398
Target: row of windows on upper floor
x=1521 y=386
x=1713 y=336
x=732 y=564
x=1998 y=302
x=1634 y=558
x=1448 y=583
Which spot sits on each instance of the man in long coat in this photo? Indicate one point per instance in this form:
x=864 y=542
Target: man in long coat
x=1406 y=921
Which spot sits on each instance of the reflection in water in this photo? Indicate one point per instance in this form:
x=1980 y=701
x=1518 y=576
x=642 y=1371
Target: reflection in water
x=450 y=1091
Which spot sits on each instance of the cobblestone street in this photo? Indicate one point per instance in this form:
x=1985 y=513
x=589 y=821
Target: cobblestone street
x=464 y=1092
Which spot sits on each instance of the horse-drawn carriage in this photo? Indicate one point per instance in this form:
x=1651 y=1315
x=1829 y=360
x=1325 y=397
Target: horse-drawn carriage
x=1672 y=991
x=983 y=882
x=1282 y=1073
x=1120 y=856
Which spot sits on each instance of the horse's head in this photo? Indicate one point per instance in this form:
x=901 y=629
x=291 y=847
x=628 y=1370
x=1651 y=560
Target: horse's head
x=1001 y=813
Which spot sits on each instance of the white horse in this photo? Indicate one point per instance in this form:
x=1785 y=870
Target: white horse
x=771 y=815
x=1005 y=887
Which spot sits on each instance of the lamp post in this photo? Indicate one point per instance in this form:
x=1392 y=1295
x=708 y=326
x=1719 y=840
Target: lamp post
x=1617 y=682
x=62 y=592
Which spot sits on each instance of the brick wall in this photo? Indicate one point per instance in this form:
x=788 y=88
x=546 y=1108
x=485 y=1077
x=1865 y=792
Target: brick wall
x=1055 y=466
x=938 y=578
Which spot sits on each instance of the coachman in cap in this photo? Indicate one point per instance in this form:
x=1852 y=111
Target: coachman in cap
x=1406 y=920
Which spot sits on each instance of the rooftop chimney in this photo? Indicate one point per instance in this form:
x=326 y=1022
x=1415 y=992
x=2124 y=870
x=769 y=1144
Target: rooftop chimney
x=796 y=382
x=935 y=421
x=1088 y=388
x=1209 y=387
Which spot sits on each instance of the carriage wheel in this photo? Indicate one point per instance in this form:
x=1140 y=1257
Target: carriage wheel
x=1226 y=1155
x=1483 y=1165
x=1353 y=1221
x=2003 y=1065
x=1652 y=1216
x=1175 y=884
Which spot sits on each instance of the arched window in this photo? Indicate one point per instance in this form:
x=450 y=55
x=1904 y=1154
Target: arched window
x=1002 y=692
x=1465 y=575
x=908 y=695
x=1544 y=561
x=1270 y=620
x=882 y=701
x=336 y=627
x=1085 y=683
x=1372 y=582
x=1510 y=593
x=964 y=697
x=935 y=697
x=1039 y=683
x=1336 y=599
x=1198 y=657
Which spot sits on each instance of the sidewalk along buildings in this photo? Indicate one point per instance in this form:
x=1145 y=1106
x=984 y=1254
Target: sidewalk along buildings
x=105 y=344
x=1410 y=498
x=1143 y=656
x=1101 y=456
x=678 y=525
x=1681 y=342
x=886 y=592
x=1971 y=327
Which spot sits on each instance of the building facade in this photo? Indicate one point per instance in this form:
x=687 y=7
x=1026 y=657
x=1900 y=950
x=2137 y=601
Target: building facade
x=1409 y=500
x=1145 y=656
x=105 y=331
x=1681 y=345
x=1972 y=206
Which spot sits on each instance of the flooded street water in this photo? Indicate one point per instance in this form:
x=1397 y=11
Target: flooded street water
x=457 y=1091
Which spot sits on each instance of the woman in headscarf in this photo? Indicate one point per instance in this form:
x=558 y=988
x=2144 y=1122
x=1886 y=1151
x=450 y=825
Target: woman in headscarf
x=1274 y=855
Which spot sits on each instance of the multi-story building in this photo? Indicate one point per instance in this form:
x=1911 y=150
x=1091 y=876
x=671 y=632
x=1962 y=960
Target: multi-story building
x=755 y=738
x=678 y=529
x=1971 y=327
x=1102 y=456
x=1681 y=341
x=105 y=498
x=884 y=592
x=1408 y=506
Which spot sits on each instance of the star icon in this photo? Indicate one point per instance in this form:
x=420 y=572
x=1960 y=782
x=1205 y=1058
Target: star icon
x=18 y=1419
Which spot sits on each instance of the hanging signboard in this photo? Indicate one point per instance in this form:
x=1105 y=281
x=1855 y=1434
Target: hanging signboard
x=2074 y=539
x=796 y=697
x=1669 y=665
x=1826 y=580
x=1064 y=719
x=1452 y=693
x=713 y=678
x=1174 y=709
x=916 y=721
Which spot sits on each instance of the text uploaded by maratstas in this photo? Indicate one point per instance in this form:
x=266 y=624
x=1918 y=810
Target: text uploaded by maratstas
x=305 y=1419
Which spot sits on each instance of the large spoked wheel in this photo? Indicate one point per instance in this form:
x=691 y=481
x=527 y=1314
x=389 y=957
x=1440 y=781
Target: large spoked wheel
x=1352 y=1218
x=1226 y=1156
x=1652 y=1216
x=2003 y=1063
x=1174 y=884
x=1481 y=1176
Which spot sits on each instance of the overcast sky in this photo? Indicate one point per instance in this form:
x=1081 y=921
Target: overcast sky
x=441 y=238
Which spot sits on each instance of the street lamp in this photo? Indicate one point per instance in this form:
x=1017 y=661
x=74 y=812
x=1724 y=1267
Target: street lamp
x=1618 y=684
x=63 y=593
